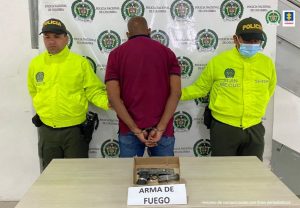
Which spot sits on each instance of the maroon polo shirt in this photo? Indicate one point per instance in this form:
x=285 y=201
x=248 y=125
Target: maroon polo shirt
x=143 y=67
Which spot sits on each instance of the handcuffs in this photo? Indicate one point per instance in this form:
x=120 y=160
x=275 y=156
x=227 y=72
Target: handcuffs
x=148 y=130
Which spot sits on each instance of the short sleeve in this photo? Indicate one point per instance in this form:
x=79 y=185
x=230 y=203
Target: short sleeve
x=174 y=67
x=112 y=70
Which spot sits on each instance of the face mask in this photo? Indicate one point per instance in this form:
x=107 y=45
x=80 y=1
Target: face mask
x=249 y=50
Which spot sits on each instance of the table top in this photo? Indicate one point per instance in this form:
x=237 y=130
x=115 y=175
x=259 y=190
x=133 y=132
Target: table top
x=210 y=182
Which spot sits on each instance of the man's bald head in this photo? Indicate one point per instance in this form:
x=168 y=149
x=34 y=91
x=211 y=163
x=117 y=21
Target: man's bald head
x=137 y=26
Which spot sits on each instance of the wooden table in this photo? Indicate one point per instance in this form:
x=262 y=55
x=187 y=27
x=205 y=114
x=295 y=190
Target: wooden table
x=210 y=182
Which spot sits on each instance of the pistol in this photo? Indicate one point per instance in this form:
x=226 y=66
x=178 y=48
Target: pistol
x=159 y=174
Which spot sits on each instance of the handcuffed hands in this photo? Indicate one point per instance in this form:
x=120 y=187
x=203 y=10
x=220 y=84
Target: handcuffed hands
x=149 y=138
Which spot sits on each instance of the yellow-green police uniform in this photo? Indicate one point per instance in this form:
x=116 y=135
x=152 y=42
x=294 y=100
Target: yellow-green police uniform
x=61 y=86
x=240 y=89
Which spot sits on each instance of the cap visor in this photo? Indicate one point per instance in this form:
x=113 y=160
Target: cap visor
x=252 y=36
x=54 y=31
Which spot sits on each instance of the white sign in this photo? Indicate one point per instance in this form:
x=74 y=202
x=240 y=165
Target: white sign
x=157 y=195
x=289 y=18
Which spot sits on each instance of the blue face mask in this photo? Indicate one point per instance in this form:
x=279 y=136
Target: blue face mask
x=249 y=50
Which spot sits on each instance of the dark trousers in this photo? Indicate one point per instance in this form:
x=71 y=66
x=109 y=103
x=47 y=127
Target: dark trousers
x=228 y=140
x=61 y=143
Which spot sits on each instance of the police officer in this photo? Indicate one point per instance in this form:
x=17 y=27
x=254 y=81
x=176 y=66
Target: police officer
x=61 y=83
x=241 y=82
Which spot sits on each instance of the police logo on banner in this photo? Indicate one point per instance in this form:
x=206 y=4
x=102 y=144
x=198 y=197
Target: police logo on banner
x=231 y=10
x=83 y=10
x=207 y=40
x=186 y=66
x=273 y=17
x=110 y=148
x=182 y=10
x=92 y=62
x=160 y=36
x=182 y=121
x=229 y=73
x=108 y=40
x=132 y=8
x=202 y=148
x=70 y=40
x=39 y=77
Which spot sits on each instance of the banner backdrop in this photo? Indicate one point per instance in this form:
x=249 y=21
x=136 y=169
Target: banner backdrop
x=196 y=30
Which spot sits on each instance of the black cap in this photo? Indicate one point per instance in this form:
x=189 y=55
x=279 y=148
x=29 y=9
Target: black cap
x=250 y=29
x=54 y=26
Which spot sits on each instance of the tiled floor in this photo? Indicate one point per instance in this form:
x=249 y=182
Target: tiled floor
x=8 y=204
